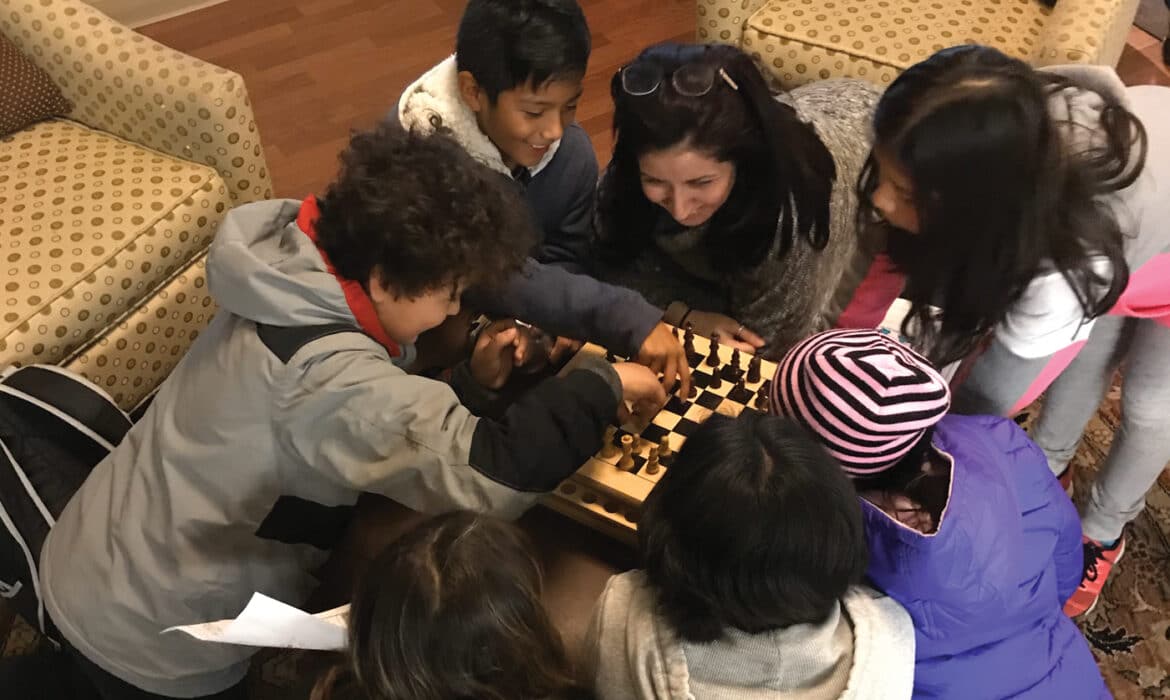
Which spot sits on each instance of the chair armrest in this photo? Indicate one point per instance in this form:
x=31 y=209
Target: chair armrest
x=1086 y=31
x=126 y=84
x=722 y=21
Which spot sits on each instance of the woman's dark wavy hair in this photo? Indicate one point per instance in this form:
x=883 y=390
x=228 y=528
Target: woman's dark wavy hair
x=999 y=190
x=423 y=211
x=783 y=171
x=755 y=526
x=452 y=611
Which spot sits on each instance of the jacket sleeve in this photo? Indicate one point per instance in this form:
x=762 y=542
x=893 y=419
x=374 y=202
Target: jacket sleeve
x=569 y=242
x=1037 y=339
x=1045 y=507
x=572 y=305
x=352 y=416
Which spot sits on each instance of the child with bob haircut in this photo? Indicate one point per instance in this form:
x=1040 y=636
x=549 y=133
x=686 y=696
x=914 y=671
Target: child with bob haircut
x=752 y=551
x=966 y=526
x=452 y=610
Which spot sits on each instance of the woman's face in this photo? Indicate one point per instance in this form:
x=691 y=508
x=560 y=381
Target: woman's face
x=687 y=183
x=894 y=196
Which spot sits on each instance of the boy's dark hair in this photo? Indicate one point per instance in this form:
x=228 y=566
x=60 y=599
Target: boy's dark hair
x=423 y=211
x=784 y=173
x=508 y=43
x=754 y=527
x=452 y=611
x=1001 y=194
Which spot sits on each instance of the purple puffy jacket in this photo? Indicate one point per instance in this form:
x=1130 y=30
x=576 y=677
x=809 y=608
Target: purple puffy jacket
x=985 y=591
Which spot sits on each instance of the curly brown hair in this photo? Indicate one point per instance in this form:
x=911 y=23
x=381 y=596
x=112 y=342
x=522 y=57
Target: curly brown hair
x=422 y=211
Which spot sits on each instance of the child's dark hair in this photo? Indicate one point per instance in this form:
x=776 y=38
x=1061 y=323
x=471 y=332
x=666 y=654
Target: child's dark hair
x=452 y=611
x=998 y=192
x=784 y=173
x=423 y=211
x=909 y=476
x=508 y=43
x=754 y=527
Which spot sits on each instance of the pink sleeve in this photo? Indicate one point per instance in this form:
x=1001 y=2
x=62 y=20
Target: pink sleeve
x=872 y=298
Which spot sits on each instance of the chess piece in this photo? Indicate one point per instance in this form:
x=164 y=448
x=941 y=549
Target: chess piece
x=693 y=392
x=652 y=462
x=753 y=374
x=716 y=381
x=739 y=385
x=763 y=402
x=735 y=359
x=665 y=454
x=689 y=343
x=674 y=332
x=608 y=449
x=713 y=358
x=626 y=463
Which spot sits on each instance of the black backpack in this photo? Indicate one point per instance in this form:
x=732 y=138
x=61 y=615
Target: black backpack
x=55 y=426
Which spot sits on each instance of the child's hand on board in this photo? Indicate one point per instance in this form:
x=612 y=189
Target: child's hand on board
x=495 y=355
x=664 y=354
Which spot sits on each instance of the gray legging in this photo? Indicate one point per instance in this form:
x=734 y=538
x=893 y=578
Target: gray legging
x=1141 y=447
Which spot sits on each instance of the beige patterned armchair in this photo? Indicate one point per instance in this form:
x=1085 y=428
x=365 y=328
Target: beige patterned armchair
x=799 y=41
x=105 y=217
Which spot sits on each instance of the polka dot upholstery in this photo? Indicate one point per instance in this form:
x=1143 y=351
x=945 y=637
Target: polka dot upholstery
x=89 y=226
x=134 y=356
x=799 y=41
x=126 y=84
x=29 y=95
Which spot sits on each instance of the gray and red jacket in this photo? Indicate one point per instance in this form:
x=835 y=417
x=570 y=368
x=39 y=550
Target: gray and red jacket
x=240 y=475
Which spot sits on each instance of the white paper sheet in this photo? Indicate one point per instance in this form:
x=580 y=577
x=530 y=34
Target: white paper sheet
x=266 y=622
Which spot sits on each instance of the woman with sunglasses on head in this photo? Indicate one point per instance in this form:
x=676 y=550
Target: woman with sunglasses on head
x=724 y=201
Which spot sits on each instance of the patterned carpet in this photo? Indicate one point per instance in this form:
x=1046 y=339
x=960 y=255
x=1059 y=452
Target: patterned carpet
x=1129 y=630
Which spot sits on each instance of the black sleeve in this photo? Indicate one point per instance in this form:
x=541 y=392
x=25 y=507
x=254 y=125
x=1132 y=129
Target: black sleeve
x=547 y=434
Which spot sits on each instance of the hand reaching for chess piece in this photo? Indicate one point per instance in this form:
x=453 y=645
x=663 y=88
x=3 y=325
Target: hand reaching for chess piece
x=495 y=354
x=662 y=353
x=732 y=333
x=640 y=388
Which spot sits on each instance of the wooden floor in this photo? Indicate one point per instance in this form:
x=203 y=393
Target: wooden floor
x=317 y=68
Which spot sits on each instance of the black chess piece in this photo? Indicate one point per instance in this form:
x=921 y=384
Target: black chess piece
x=713 y=358
x=763 y=400
x=693 y=392
x=753 y=373
x=716 y=381
x=735 y=359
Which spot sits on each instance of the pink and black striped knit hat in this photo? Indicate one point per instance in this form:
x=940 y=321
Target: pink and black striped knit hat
x=866 y=396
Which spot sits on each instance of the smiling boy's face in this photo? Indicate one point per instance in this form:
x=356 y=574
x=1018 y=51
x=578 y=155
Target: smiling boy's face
x=526 y=120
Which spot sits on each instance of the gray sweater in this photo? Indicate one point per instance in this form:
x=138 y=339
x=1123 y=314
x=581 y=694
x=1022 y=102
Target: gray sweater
x=864 y=650
x=783 y=298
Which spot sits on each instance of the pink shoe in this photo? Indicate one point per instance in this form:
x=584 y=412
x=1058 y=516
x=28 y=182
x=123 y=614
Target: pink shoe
x=1099 y=562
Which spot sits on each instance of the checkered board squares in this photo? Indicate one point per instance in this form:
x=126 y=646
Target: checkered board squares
x=610 y=499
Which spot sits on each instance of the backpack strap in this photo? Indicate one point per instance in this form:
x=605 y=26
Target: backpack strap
x=285 y=341
x=70 y=398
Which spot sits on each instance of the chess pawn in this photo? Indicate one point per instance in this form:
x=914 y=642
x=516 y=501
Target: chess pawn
x=735 y=359
x=763 y=401
x=716 y=381
x=753 y=373
x=664 y=452
x=713 y=358
x=608 y=449
x=652 y=462
x=626 y=463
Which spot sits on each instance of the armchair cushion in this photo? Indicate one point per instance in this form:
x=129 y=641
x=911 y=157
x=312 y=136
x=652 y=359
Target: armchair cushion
x=91 y=226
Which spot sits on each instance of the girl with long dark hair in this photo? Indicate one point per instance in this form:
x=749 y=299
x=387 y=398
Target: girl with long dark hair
x=1032 y=207
x=722 y=197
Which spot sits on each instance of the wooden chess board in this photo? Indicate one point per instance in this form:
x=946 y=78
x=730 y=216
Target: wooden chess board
x=608 y=498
